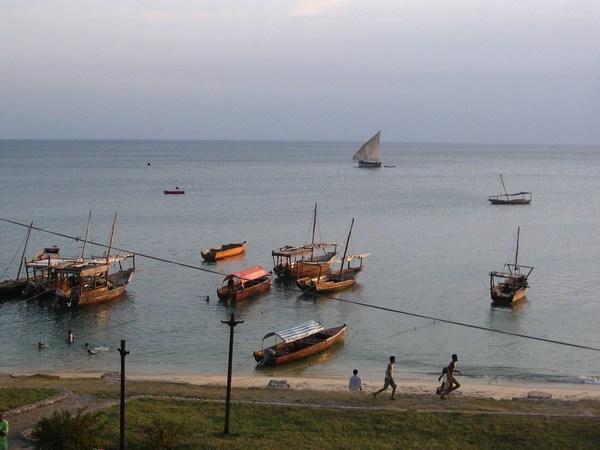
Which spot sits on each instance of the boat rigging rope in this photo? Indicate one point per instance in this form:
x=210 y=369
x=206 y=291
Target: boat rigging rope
x=332 y=297
x=12 y=260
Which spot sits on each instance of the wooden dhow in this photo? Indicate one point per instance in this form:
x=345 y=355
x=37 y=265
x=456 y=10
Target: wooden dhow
x=223 y=251
x=90 y=281
x=244 y=284
x=368 y=155
x=510 y=286
x=518 y=198
x=309 y=260
x=298 y=342
x=338 y=280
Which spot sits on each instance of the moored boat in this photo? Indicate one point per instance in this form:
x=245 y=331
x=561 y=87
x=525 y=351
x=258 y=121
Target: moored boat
x=293 y=262
x=510 y=286
x=298 y=342
x=368 y=155
x=223 y=251
x=90 y=281
x=175 y=191
x=244 y=284
x=335 y=280
x=518 y=198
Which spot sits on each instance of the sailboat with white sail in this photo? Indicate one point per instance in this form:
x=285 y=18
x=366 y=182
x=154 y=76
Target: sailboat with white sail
x=368 y=154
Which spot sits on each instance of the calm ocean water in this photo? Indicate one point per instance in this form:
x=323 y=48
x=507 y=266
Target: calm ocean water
x=431 y=234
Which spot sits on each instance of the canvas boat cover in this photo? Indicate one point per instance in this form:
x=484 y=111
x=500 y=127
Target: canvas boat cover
x=370 y=150
x=251 y=273
x=298 y=332
x=289 y=251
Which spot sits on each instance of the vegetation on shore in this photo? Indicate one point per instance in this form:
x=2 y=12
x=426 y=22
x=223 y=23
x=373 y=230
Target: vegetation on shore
x=192 y=425
x=11 y=398
x=279 y=418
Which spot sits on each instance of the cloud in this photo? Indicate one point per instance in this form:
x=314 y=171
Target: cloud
x=315 y=7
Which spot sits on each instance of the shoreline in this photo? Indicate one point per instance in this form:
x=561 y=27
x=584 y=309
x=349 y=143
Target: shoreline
x=413 y=385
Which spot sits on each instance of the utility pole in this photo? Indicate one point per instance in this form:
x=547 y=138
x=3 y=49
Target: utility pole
x=123 y=353
x=232 y=323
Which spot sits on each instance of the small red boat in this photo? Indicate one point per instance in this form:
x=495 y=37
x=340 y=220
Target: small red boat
x=244 y=284
x=175 y=191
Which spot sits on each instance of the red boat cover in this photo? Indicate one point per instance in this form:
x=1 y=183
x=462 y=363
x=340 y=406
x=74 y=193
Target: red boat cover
x=251 y=273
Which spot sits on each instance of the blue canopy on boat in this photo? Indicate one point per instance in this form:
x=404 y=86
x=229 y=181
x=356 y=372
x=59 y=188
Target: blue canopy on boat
x=298 y=332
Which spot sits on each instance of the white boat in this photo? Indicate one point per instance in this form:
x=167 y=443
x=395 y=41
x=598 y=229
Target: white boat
x=368 y=154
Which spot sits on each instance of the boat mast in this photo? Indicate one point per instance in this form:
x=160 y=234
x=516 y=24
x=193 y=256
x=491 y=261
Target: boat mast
x=312 y=246
x=87 y=228
x=112 y=234
x=517 y=252
x=503 y=186
x=24 y=250
x=346 y=248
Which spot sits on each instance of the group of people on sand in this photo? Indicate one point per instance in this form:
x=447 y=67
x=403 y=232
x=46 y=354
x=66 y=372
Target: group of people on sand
x=448 y=379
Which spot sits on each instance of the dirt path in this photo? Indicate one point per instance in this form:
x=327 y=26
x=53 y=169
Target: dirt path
x=24 y=418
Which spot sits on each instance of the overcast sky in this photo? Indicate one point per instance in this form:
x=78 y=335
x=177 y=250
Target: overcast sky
x=504 y=71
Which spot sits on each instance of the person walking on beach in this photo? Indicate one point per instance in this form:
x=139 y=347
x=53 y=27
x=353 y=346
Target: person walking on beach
x=452 y=384
x=389 y=379
x=355 y=383
x=3 y=432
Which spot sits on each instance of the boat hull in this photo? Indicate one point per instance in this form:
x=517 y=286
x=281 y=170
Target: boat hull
x=519 y=201
x=226 y=295
x=284 y=353
x=12 y=288
x=500 y=297
x=215 y=254
x=369 y=164
x=178 y=192
x=329 y=283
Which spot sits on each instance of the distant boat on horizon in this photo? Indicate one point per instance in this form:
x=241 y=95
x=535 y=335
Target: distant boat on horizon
x=368 y=155
x=174 y=191
x=519 y=198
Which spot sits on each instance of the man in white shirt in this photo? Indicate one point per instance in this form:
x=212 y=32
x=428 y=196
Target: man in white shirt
x=355 y=384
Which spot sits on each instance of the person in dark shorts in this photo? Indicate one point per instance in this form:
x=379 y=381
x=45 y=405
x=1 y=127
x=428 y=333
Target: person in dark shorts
x=389 y=379
x=452 y=383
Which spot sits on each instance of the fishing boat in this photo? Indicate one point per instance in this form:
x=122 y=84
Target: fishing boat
x=293 y=262
x=518 y=198
x=298 y=342
x=223 y=251
x=510 y=286
x=244 y=284
x=175 y=191
x=90 y=281
x=13 y=287
x=368 y=154
x=338 y=280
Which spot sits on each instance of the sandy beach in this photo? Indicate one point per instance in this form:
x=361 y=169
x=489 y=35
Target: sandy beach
x=499 y=390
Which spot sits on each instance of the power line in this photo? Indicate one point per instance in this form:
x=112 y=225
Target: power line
x=332 y=297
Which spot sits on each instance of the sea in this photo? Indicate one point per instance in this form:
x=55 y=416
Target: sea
x=431 y=235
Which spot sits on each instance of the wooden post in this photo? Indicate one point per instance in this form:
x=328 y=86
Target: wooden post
x=232 y=323
x=123 y=353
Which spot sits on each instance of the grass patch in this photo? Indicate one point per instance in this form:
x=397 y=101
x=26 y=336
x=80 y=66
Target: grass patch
x=196 y=425
x=14 y=397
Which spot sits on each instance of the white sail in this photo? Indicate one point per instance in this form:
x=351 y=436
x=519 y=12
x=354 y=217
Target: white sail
x=370 y=150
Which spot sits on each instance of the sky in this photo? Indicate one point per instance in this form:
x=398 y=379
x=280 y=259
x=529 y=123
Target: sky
x=497 y=71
